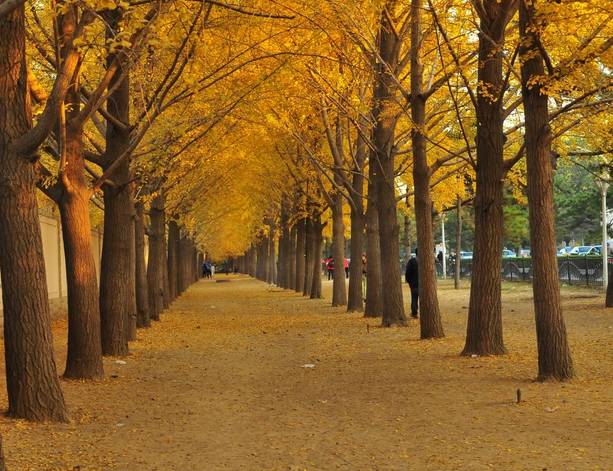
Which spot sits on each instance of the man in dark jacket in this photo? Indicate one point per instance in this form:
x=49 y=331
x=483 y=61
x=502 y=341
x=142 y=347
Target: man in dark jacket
x=412 y=278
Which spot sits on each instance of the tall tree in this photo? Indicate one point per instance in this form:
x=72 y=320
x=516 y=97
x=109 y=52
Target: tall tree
x=385 y=117
x=33 y=387
x=554 y=358
x=484 y=329
x=430 y=322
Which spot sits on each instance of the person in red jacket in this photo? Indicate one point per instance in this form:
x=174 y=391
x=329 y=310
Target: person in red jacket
x=330 y=268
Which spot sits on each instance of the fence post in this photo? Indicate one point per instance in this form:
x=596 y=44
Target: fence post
x=587 y=274
x=568 y=271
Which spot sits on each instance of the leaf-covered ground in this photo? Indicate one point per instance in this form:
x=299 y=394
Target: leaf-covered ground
x=219 y=384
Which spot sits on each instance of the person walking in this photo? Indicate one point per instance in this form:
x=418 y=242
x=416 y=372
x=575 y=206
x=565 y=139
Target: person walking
x=412 y=278
x=330 y=268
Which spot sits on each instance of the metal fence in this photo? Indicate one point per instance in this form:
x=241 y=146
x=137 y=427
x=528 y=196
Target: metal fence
x=575 y=270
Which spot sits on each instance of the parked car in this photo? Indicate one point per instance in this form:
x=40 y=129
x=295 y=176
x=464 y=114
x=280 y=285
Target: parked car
x=583 y=250
x=564 y=251
x=526 y=253
x=506 y=253
x=466 y=255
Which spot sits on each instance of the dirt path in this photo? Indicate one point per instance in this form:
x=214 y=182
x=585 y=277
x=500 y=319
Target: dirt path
x=219 y=385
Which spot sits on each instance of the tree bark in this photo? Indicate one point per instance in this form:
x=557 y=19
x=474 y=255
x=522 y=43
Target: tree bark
x=2 y=462
x=118 y=267
x=155 y=278
x=142 y=288
x=554 y=357
x=292 y=257
x=33 y=386
x=430 y=322
x=308 y=257
x=484 y=329
x=355 y=299
x=300 y=254
x=339 y=285
x=317 y=228
x=458 y=245
x=272 y=265
x=84 y=352
x=173 y=241
x=183 y=269
x=165 y=276
x=374 y=279
x=383 y=136
x=284 y=247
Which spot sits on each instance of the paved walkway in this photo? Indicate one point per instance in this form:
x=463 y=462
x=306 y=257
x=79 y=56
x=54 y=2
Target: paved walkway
x=239 y=376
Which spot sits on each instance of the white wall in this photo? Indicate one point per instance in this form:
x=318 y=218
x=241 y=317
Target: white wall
x=53 y=250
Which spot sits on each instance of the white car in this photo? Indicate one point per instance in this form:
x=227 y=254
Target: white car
x=583 y=250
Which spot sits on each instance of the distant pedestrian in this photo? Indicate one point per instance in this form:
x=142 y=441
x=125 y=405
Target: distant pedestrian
x=364 y=285
x=346 y=264
x=412 y=278
x=330 y=268
x=207 y=269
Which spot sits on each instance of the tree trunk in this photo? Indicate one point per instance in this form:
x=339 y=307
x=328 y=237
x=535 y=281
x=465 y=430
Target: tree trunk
x=33 y=386
x=374 y=278
x=84 y=353
x=118 y=267
x=300 y=251
x=284 y=248
x=609 y=297
x=173 y=241
x=383 y=137
x=458 y=245
x=272 y=275
x=354 y=302
x=155 y=278
x=253 y=261
x=183 y=280
x=484 y=329
x=164 y=268
x=308 y=257
x=339 y=285
x=292 y=258
x=554 y=358
x=356 y=294
x=2 y=462
x=142 y=288
x=406 y=239
x=430 y=322
x=317 y=246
